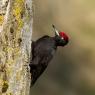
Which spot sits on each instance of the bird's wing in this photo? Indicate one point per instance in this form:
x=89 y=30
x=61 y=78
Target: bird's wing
x=34 y=62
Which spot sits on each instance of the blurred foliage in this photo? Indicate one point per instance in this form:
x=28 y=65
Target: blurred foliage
x=72 y=70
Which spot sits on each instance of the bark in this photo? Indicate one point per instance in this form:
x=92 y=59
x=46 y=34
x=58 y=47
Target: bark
x=15 y=46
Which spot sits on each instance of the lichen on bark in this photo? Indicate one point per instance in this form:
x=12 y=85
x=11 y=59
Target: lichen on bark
x=15 y=46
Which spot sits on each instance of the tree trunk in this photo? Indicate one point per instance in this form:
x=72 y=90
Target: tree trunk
x=15 y=46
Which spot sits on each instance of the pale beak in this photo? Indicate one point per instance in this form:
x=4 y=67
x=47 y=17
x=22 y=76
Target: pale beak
x=55 y=30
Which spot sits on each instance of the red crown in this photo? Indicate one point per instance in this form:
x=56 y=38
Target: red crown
x=63 y=35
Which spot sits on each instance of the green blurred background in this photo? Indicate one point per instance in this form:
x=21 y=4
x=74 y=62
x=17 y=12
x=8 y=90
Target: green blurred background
x=72 y=70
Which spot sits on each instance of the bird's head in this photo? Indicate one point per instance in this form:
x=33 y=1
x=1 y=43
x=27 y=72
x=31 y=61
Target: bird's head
x=60 y=37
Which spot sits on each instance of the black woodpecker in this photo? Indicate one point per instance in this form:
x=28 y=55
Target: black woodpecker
x=43 y=51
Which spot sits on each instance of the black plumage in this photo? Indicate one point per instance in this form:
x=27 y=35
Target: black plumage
x=43 y=51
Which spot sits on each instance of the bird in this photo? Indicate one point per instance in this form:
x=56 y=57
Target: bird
x=43 y=50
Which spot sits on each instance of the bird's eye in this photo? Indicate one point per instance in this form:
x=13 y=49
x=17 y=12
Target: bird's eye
x=62 y=38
